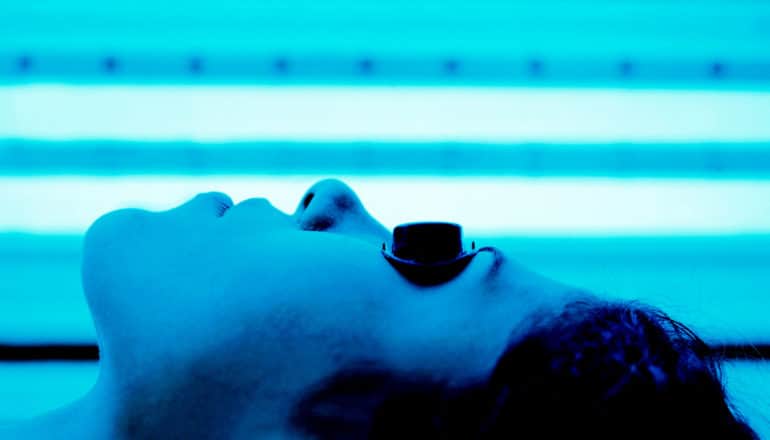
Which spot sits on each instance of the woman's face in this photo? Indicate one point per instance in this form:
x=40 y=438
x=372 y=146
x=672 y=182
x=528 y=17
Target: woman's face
x=262 y=300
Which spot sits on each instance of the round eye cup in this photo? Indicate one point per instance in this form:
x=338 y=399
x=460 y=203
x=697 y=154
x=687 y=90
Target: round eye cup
x=428 y=253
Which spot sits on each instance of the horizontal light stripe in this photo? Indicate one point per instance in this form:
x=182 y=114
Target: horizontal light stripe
x=20 y=157
x=669 y=29
x=747 y=385
x=495 y=206
x=381 y=114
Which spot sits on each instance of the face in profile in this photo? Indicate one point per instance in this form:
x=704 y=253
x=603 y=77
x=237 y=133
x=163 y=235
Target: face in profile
x=235 y=311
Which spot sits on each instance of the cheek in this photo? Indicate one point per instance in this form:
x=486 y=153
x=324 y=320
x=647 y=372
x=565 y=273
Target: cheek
x=303 y=316
x=441 y=337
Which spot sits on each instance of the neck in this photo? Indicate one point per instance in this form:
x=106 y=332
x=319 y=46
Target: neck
x=106 y=414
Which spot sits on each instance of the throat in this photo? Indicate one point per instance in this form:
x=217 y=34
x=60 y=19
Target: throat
x=202 y=407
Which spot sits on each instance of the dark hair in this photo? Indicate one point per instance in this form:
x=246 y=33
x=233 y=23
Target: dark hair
x=596 y=370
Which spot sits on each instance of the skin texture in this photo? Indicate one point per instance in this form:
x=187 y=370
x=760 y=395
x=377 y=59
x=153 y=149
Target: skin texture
x=213 y=326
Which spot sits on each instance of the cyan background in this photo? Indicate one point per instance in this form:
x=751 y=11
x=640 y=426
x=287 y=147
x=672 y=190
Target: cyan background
x=629 y=142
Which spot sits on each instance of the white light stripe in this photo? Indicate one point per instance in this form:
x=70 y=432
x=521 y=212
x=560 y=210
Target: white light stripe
x=334 y=113
x=485 y=206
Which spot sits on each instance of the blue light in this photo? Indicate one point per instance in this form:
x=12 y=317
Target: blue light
x=484 y=205
x=382 y=114
x=622 y=146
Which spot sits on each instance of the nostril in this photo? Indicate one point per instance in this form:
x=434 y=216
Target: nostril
x=306 y=201
x=320 y=223
x=329 y=204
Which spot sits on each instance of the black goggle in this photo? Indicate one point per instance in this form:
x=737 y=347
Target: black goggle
x=429 y=253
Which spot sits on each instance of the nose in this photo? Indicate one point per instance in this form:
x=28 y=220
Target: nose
x=331 y=205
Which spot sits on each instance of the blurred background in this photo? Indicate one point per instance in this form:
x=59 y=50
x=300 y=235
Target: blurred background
x=622 y=146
